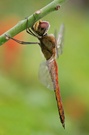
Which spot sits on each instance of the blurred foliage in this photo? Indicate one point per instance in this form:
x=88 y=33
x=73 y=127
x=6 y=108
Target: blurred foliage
x=27 y=107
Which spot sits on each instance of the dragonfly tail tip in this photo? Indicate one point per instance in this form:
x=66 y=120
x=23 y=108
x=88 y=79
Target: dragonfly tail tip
x=63 y=124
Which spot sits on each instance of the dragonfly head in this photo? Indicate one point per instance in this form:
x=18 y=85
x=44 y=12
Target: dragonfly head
x=41 y=27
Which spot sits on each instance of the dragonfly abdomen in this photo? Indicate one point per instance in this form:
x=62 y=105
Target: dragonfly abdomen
x=53 y=69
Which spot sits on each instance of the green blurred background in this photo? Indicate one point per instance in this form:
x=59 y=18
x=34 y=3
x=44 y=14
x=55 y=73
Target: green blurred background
x=26 y=106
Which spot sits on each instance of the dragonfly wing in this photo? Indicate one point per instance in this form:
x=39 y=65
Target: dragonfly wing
x=44 y=76
x=60 y=39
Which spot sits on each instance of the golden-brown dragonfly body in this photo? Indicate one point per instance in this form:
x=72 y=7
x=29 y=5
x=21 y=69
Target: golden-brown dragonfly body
x=48 y=44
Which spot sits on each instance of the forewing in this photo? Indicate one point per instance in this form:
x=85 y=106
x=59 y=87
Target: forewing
x=44 y=76
x=59 y=45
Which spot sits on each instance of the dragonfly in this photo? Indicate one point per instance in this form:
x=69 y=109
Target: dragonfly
x=51 y=48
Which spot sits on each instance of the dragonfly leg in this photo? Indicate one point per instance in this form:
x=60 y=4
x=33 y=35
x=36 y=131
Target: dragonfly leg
x=29 y=31
x=20 y=42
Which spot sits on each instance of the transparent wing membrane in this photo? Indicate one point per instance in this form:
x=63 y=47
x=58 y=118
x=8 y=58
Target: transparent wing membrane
x=44 y=76
x=59 y=45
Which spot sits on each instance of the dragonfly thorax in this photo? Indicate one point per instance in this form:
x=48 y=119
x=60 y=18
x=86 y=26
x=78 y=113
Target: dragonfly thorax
x=47 y=44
